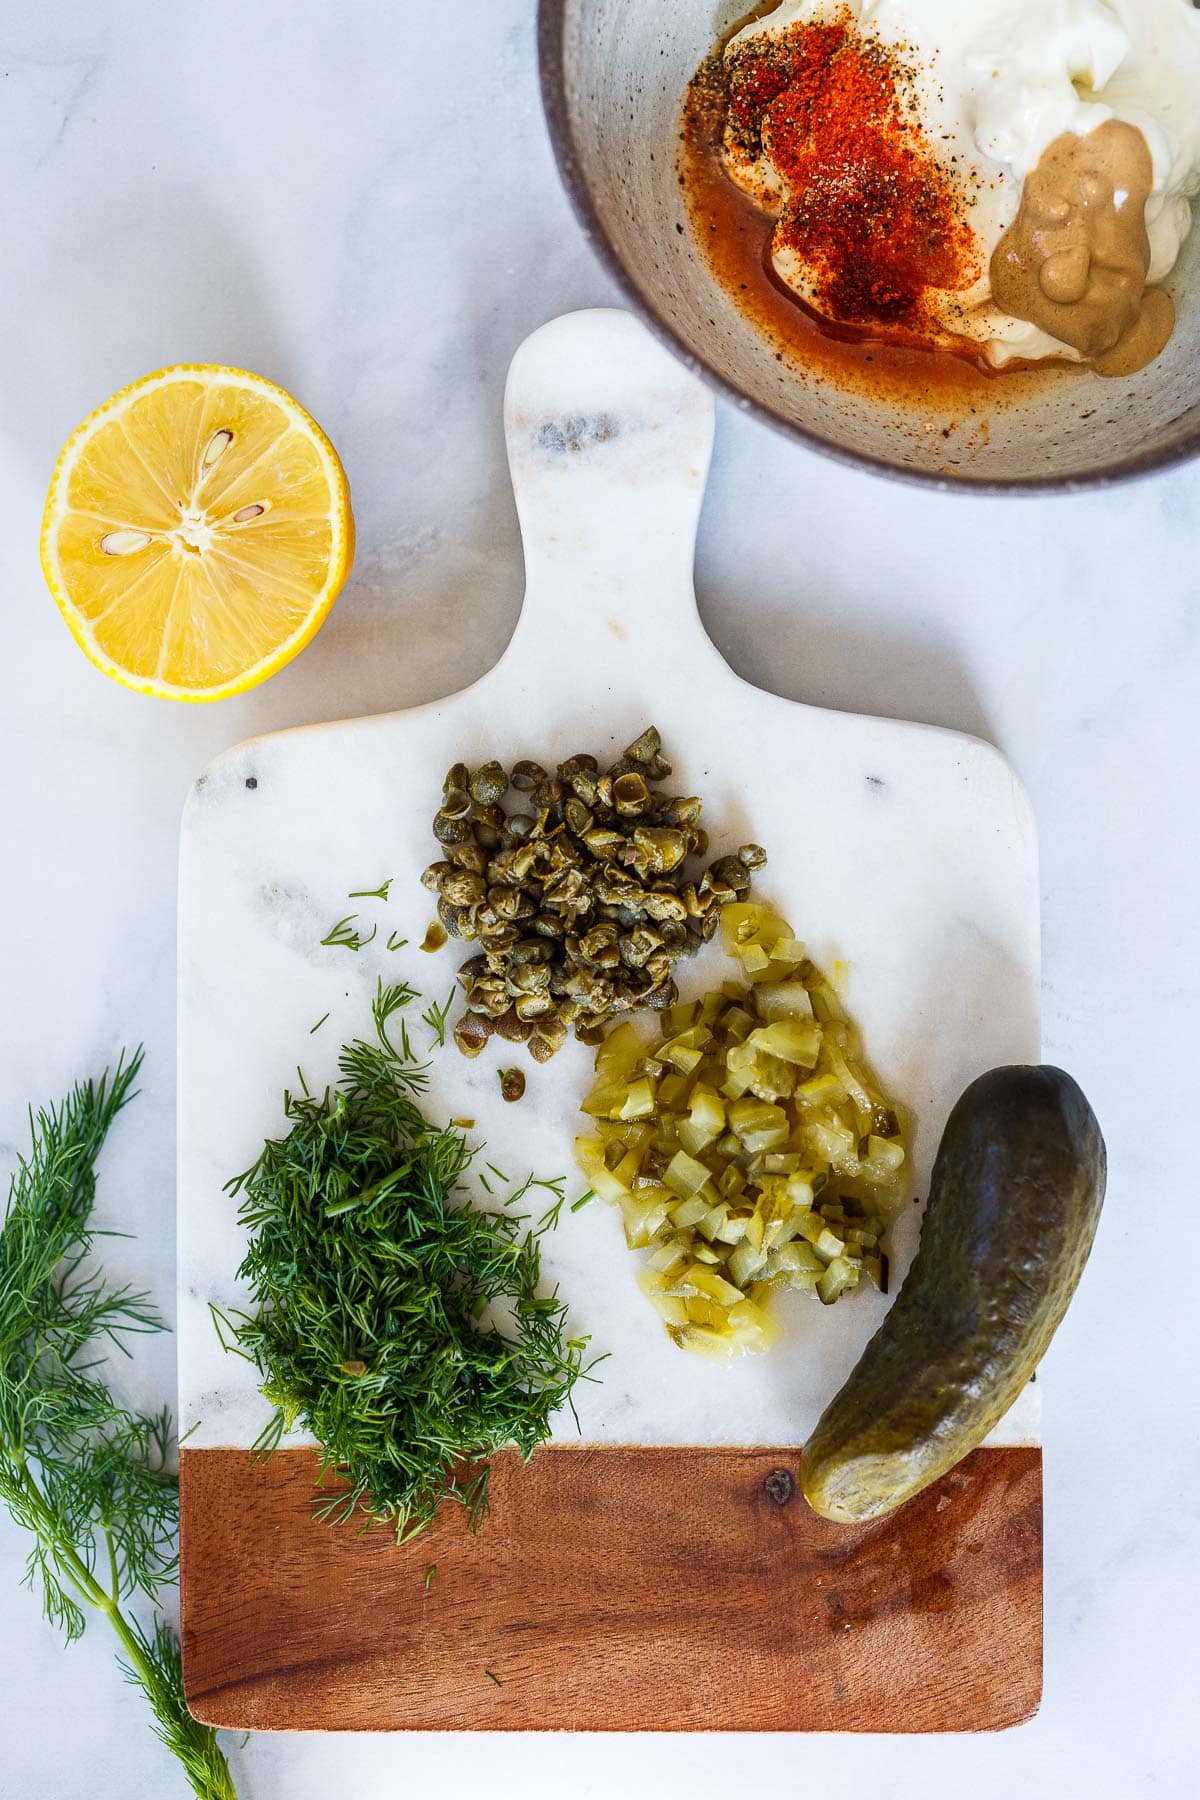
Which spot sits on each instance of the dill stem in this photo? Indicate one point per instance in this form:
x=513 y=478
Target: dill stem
x=150 y=1680
x=114 y=1573
x=69 y=1561
x=69 y=1564
x=73 y=1568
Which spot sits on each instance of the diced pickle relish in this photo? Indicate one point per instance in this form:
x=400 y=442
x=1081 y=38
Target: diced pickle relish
x=747 y=1145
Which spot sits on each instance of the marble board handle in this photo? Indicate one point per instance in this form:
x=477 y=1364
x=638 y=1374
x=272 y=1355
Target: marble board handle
x=609 y=442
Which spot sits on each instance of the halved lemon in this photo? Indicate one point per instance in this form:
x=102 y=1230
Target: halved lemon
x=197 y=531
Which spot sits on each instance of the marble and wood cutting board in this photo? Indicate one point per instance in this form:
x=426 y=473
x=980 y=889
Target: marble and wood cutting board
x=657 y=1569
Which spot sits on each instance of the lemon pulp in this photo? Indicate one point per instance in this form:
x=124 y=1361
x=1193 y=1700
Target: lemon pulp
x=197 y=531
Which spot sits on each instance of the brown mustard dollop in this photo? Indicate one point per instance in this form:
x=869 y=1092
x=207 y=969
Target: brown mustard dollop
x=1075 y=258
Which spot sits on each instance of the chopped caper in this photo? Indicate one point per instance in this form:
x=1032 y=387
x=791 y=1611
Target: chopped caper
x=489 y=784
x=582 y=764
x=666 y=907
x=579 y=903
x=547 y=794
x=733 y=873
x=631 y=796
x=472 y=1033
x=471 y=971
x=456 y=803
x=645 y=748
x=462 y=889
x=512 y=1084
x=639 y=944
x=577 y=817
x=456 y=921
x=663 y=845
x=530 y=950
x=547 y=1040
x=449 y=830
x=604 y=843
x=513 y=1029
x=530 y=978
x=548 y=925
x=533 y=1006
x=527 y=775
x=436 y=876
x=584 y=785
x=469 y=857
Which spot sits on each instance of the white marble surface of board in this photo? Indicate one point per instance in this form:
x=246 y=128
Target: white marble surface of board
x=283 y=184
x=907 y=853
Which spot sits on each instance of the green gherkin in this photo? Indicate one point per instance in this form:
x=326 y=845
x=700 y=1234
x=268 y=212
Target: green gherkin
x=1014 y=1203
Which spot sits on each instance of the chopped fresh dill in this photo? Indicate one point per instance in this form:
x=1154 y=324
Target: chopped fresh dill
x=87 y=1478
x=485 y=1184
x=390 y=998
x=373 y=1284
x=494 y=1678
x=379 y=893
x=498 y=1173
x=556 y=1186
x=430 y=1576
x=552 y=1216
x=395 y=941
x=226 y=1332
x=345 y=935
x=436 y=1016
x=318 y=1024
x=549 y=1219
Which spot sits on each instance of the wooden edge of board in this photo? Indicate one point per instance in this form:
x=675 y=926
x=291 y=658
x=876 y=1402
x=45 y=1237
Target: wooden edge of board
x=615 y=1589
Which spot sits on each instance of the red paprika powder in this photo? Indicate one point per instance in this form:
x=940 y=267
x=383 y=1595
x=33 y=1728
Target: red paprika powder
x=871 y=212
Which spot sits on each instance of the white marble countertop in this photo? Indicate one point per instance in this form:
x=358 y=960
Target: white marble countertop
x=302 y=189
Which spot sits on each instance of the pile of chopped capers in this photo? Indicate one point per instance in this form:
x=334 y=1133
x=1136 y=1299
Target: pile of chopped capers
x=580 y=901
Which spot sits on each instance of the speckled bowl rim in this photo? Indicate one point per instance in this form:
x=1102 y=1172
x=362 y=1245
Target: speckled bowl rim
x=550 y=49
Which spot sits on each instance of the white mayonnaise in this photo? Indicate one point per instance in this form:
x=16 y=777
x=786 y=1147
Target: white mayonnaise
x=997 y=81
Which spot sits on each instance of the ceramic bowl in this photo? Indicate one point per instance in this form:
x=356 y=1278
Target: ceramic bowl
x=614 y=73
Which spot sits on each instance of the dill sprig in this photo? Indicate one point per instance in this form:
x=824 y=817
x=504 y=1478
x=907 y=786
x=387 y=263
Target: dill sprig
x=86 y=1477
x=557 y=1186
x=346 y=934
x=552 y=1217
x=437 y=1018
x=379 y=893
x=404 y=1328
